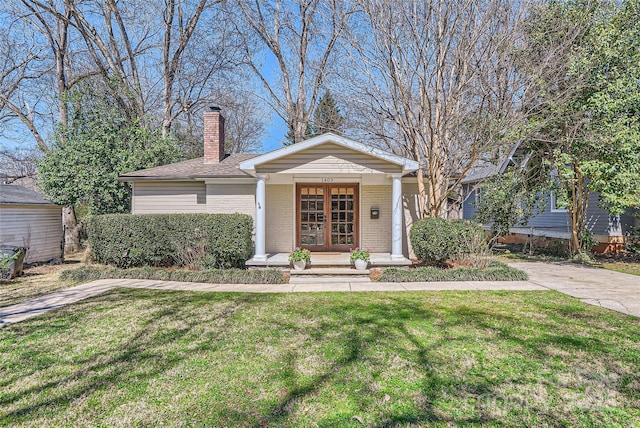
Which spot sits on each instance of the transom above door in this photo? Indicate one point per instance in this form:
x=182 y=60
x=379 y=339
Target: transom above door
x=327 y=216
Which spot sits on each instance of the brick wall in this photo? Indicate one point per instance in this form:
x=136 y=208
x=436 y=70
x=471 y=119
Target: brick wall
x=213 y=136
x=375 y=234
x=280 y=221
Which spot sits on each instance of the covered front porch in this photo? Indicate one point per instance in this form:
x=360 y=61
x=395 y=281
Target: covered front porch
x=329 y=194
x=339 y=260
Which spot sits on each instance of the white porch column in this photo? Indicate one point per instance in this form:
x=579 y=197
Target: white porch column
x=260 y=254
x=396 y=217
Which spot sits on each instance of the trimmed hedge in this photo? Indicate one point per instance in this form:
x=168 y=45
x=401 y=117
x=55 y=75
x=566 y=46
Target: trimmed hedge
x=495 y=272
x=437 y=239
x=219 y=276
x=213 y=240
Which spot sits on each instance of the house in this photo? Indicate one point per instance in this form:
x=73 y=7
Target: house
x=552 y=222
x=328 y=194
x=28 y=220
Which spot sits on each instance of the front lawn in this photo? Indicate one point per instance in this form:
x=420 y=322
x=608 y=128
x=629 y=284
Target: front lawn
x=632 y=268
x=166 y=358
x=35 y=281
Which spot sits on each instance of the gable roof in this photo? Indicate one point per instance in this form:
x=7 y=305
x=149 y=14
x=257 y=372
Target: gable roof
x=249 y=165
x=242 y=165
x=192 y=169
x=480 y=174
x=20 y=195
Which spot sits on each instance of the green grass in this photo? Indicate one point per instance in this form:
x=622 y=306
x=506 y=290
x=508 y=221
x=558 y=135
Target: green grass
x=497 y=271
x=632 y=268
x=35 y=282
x=226 y=276
x=152 y=358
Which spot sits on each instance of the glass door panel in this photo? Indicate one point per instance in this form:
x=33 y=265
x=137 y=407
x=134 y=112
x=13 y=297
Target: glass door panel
x=327 y=216
x=343 y=203
x=311 y=230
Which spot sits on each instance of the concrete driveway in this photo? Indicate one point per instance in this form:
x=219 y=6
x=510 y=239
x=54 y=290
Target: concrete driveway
x=599 y=287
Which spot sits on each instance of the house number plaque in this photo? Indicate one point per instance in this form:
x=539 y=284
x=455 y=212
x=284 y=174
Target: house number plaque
x=327 y=180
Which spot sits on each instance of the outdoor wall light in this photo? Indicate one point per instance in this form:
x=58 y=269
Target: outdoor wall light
x=375 y=213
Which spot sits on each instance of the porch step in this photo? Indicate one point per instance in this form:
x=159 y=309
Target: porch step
x=330 y=272
x=321 y=260
x=328 y=275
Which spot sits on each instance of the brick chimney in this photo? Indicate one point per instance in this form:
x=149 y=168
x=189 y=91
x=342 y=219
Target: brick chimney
x=213 y=135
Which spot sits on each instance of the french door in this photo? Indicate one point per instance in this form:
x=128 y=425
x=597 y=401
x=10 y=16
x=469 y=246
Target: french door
x=327 y=216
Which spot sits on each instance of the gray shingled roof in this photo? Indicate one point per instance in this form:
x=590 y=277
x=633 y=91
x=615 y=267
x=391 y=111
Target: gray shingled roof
x=192 y=169
x=14 y=194
x=481 y=174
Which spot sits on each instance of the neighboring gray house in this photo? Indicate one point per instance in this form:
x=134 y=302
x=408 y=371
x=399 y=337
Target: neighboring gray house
x=28 y=220
x=554 y=221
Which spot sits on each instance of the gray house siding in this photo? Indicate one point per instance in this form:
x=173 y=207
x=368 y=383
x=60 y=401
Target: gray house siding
x=599 y=222
x=469 y=202
x=550 y=219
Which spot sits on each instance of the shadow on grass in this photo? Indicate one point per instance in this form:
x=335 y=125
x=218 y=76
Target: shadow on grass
x=378 y=325
x=353 y=334
x=137 y=359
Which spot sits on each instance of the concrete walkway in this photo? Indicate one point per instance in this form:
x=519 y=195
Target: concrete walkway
x=612 y=290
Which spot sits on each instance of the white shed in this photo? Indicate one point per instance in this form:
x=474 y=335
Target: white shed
x=28 y=220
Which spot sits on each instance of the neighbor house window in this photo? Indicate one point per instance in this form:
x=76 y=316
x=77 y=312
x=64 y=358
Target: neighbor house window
x=558 y=206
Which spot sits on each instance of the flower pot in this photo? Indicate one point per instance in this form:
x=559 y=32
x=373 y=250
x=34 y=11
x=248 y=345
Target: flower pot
x=299 y=265
x=360 y=264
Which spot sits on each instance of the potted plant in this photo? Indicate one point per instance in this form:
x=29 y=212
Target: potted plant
x=300 y=257
x=360 y=258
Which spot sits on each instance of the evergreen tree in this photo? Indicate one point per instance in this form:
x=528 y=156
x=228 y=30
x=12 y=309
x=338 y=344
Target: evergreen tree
x=327 y=117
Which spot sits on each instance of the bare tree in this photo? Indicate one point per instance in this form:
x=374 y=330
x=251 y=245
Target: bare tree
x=438 y=79
x=245 y=120
x=155 y=73
x=18 y=165
x=23 y=61
x=302 y=36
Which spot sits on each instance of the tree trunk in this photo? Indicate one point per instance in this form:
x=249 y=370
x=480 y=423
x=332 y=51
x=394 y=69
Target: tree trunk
x=72 y=230
x=578 y=211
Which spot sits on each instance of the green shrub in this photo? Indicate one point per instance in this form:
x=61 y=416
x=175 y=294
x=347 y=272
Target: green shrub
x=495 y=272
x=220 y=276
x=216 y=240
x=437 y=239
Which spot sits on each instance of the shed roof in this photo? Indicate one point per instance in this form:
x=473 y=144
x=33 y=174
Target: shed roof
x=20 y=195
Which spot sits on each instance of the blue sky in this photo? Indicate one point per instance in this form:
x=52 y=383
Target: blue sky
x=272 y=139
x=274 y=134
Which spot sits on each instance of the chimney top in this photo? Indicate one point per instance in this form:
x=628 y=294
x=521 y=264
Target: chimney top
x=213 y=135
